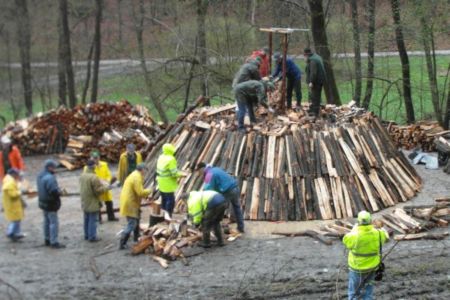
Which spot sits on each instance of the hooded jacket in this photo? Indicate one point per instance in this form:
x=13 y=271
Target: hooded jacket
x=90 y=190
x=48 y=191
x=167 y=173
x=132 y=193
x=12 y=203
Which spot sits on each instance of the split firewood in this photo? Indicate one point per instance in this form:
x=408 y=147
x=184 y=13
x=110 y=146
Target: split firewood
x=164 y=263
x=421 y=236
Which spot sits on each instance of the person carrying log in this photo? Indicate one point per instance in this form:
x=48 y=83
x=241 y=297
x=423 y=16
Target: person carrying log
x=315 y=78
x=130 y=202
x=167 y=175
x=364 y=244
x=247 y=95
x=13 y=204
x=293 y=76
x=127 y=163
x=263 y=54
x=91 y=188
x=216 y=179
x=10 y=157
x=248 y=71
x=206 y=208
x=103 y=173
x=49 y=195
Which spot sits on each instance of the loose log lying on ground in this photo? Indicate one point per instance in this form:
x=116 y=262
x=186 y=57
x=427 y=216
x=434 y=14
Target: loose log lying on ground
x=310 y=233
x=421 y=236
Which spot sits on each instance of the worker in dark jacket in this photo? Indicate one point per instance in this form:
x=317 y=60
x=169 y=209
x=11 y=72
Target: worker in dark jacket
x=248 y=71
x=293 y=76
x=206 y=208
x=315 y=78
x=49 y=195
x=249 y=94
x=216 y=179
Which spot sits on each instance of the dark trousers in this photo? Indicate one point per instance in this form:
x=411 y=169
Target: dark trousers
x=109 y=211
x=315 y=99
x=168 y=202
x=211 y=221
x=137 y=229
x=245 y=105
x=293 y=84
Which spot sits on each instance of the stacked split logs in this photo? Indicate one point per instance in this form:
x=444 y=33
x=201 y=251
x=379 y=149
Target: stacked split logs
x=418 y=135
x=292 y=168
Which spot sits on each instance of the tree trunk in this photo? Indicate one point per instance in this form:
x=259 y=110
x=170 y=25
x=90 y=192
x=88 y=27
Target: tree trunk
x=97 y=49
x=24 y=43
x=357 y=51
x=120 y=21
x=404 y=60
x=447 y=106
x=62 y=84
x=202 y=8
x=370 y=53
x=12 y=103
x=88 y=73
x=66 y=49
x=139 y=29
x=321 y=44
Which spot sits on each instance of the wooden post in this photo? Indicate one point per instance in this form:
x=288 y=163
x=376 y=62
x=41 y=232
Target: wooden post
x=270 y=52
x=283 y=82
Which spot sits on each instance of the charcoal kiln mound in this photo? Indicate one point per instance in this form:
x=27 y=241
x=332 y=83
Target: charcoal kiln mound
x=293 y=167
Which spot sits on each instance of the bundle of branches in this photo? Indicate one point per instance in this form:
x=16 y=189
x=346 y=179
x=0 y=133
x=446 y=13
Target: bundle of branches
x=419 y=135
x=49 y=132
x=292 y=167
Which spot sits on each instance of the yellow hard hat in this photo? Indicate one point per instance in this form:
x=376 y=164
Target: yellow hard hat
x=364 y=217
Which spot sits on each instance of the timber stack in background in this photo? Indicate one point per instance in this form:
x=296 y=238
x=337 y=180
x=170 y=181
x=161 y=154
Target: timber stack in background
x=75 y=132
x=292 y=167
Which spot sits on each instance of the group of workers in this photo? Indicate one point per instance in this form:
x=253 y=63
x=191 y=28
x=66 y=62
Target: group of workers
x=251 y=84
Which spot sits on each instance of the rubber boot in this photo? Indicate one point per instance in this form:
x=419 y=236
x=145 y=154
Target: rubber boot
x=136 y=232
x=205 y=243
x=110 y=211
x=123 y=241
x=218 y=233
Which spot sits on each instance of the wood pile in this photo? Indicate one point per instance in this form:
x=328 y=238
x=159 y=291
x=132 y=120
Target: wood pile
x=166 y=242
x=407 y=223
x=291 y=167
x=418 y=135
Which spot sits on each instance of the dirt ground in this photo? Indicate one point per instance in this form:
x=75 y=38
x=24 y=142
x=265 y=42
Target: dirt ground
x=257 y=266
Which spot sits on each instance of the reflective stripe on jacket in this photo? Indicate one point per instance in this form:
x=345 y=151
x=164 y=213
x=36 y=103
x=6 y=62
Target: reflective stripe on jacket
x=363 y=243
x=102 y=171
x=167 y=171
x=12 y=204
x=197 y=204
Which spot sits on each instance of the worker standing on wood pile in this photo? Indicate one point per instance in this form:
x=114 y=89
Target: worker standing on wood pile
x=130 y=202
x=103 y=173
x=293 y=76
x=315 y=78
x=128 y=162
x=364 y=258
x=10 y=157
x=49 y=195
x=91 y=188
x=167 y=175
x=206 y=208
x=248 y=71
x=216 y=179
x=263 y=54
x=13 y=204
x=249 y=94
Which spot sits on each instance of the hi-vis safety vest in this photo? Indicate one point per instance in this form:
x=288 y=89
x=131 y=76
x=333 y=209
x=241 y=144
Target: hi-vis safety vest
x=166 y=170
x=197 y=204
x=363 y=243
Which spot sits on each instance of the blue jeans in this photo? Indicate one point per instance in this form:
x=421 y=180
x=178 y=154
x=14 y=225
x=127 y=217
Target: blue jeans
x=90 y=225
x=51 y=226
x=232 y=196
x=243 y=107
x=131 y=226
x=356 y=285
x=168 y=202
x=13 y=229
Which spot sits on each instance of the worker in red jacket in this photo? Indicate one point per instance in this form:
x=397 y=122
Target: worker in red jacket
x=264 y=65
x=12 y=155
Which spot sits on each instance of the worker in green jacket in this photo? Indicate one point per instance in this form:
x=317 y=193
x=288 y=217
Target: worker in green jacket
x=91 y=188
x=248 y=71
x=315 y=79
x=207 y=208
x=364 y=257
x=248 y=94
x=167 y=175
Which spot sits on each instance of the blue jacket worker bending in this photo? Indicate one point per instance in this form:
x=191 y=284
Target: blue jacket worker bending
x=293 y=76
x=216 y=179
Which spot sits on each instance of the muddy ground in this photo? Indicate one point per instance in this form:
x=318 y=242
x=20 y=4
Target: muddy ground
x=257 y=266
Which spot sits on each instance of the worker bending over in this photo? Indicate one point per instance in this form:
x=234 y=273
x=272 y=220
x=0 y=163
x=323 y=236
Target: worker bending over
x=248 y=71
x=263 y=54
x=293 y=76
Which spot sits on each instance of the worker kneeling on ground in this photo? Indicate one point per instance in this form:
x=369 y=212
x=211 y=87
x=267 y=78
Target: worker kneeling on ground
x=130 y=202
x=364 y=257
x=248 y=94
x=207 y=208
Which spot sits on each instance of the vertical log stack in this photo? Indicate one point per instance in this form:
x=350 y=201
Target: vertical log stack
x=291 y=169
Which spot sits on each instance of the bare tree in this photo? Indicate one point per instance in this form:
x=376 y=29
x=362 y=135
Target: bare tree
x=370 y=52
x=62 y=84
x=404 y=60
x=202 y=9
x=97 y=48
x=357 y=51
x=24 y=42
x=321 y=44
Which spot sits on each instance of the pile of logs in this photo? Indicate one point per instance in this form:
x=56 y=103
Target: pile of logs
x=418 y=135
x=166 y=242
x=76 y=131
x=291 y=167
